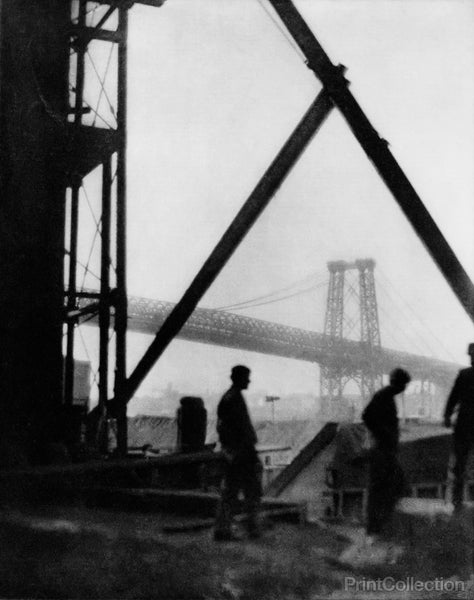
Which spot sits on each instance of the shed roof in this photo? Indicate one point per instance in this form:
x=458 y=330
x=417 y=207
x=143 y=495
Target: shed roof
x=303 y=459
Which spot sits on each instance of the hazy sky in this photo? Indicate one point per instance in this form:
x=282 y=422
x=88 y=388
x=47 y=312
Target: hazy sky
x=215 y=88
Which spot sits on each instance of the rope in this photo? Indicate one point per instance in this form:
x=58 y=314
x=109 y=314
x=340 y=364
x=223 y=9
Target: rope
x=283 y=31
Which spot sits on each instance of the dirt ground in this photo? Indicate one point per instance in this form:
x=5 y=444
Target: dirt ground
x=79 y=552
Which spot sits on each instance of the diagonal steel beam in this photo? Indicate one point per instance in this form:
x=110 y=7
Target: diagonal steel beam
x=245 y=218
x=155 y=3
x=377 y=150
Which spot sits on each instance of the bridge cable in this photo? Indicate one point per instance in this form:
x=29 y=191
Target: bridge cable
x=415 y=337
x=286 y=288
x=422 y=323
x=272 y=301
x=399 y=342
x=411 y=336
x=269 y=295
x=245 y=305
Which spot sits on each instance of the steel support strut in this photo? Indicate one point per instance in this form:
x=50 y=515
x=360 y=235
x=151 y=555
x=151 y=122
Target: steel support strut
x=74 y=220
x=246 y=217
x=89 y=147
x=378 y=152
x=104 y=306
x=121 y=250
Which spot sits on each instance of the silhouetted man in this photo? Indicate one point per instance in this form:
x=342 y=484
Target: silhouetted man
x=462 y=395
x=243 y=469
x=386 y=481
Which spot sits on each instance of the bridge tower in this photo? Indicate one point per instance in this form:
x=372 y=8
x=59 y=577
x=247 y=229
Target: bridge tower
x=351 y=313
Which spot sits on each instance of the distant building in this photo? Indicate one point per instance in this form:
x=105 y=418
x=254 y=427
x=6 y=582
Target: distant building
x=326 y=477
x=274 y=459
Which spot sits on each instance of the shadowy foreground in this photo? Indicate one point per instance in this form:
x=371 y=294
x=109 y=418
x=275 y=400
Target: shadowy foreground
x=76 y=552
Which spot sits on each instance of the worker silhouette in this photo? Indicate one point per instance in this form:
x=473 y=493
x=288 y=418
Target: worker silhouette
x=242 y=467
x=461 y=396
x=386 y=480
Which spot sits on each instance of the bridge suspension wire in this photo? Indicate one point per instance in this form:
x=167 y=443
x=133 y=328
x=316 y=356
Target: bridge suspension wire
x=271 y=295
x=410 y=336
x=423 y=324
x=394 y=334
x=293 y=295
x=424 y=327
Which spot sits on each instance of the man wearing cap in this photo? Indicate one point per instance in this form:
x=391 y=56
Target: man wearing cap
x=462 y=395
x=242 y=470
x=386 y=480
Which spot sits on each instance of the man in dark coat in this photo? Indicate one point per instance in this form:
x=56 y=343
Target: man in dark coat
x=386 y=481
x=243 y=470
x=462 y=396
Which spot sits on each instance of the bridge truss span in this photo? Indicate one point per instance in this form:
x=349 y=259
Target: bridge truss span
x=217 y=327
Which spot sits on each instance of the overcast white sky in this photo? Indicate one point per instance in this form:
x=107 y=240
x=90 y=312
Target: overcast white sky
x=215 y=88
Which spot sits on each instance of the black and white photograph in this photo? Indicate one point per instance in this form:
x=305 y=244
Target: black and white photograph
x=237 y=299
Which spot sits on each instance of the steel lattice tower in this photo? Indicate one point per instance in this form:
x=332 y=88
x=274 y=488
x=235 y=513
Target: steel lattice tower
x=332 y=385
x=338 y=324
x=96 y=144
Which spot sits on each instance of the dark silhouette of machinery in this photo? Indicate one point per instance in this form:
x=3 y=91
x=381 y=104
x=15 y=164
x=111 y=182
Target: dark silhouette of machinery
x=191 y=419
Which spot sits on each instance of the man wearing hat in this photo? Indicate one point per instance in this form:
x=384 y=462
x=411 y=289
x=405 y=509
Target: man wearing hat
x=386 y=480
x=462 y=395
x=242 y=470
